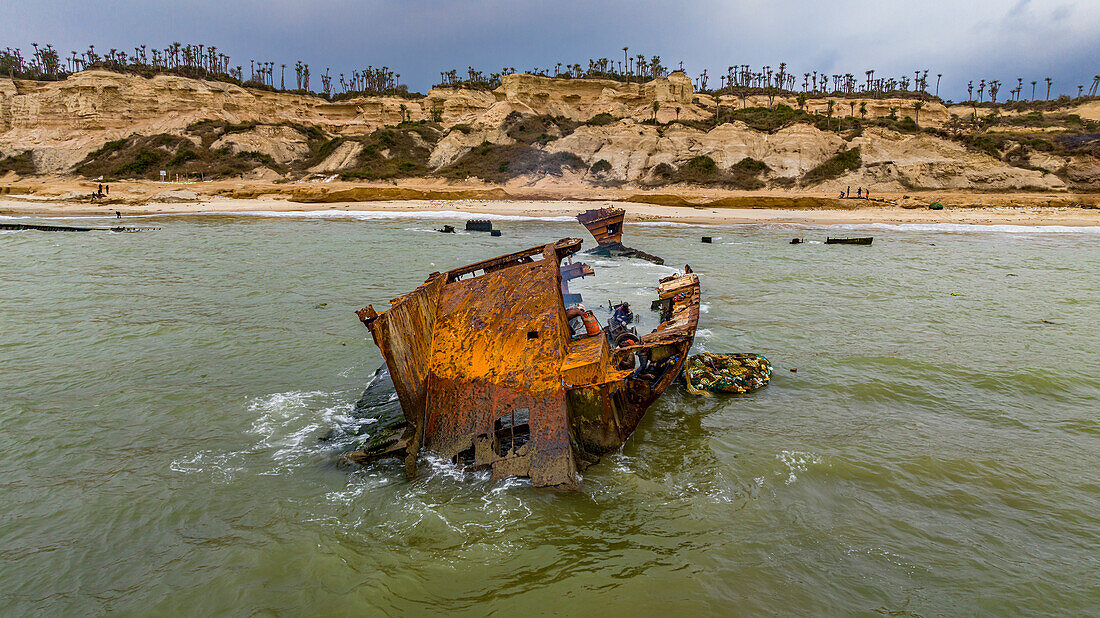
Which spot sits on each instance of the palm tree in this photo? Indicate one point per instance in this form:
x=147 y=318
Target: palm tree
x=404 y=110
x=852 y=109
x=656 y=106
x=938 y=76
x=1095 y=85
x=863 y=110
x=916 y=112
x=801 y=100
x=829 y=112
x=626 y=60
x=1033 y=90
x=1048 y=81
x=282 y=78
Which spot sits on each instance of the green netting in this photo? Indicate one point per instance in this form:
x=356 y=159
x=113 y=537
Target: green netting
x=726 y=373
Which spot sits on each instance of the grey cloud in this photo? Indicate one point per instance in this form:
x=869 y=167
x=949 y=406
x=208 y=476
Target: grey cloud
x=974 y=39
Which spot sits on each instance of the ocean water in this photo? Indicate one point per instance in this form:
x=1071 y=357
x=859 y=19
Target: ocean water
x=164 y=396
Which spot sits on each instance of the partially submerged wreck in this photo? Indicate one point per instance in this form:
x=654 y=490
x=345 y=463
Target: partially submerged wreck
x=606 y=226
x=490 y=373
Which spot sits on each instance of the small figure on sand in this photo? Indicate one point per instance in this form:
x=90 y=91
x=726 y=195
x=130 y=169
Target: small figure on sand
x=859 y=192
x=118 y=215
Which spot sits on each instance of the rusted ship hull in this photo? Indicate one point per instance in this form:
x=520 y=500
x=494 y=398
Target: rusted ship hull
x=606 y=226
x=489 y=373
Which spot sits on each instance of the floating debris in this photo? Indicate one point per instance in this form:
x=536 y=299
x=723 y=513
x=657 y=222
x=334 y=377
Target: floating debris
x=447 y=229
x=798 y=241
x=708 y=373
x=606 y=226
x=71 y=228
x=479 y=225
x=866 y=240
x=490 y=373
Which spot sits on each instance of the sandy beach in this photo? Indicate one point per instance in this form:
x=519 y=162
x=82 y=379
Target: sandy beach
x=67 y=197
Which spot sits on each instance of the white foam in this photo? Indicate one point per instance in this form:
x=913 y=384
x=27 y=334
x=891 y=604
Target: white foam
x=796 y=462
x=389 y=214
x=964 y=228
x=285 y=427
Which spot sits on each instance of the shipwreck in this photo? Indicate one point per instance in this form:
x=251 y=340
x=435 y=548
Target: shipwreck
x=494 y=370
x=606 y=226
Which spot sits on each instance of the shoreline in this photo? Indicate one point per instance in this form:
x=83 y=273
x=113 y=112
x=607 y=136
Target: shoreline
x=547 y=197
x=541 y=209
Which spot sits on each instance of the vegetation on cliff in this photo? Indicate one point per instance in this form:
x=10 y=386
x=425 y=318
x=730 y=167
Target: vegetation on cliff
x=835 y=167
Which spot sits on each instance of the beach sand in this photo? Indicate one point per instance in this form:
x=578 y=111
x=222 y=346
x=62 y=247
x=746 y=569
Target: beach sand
x=60 y=197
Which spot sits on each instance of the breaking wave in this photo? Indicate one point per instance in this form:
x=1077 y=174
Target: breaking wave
x=961 y=228
x=388 y=214
x=286 y=431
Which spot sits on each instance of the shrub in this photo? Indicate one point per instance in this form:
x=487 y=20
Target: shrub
x=703 y=164
x=751 y=165
x=22 y=164
x=143 y=161
x=602 y=119
x=600 y=167
x=834 y=167
x=183 y=156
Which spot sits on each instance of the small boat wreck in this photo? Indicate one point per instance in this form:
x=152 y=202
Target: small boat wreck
x=70 y=228
x=606 y=226
x=493 y=370
x=865 y=240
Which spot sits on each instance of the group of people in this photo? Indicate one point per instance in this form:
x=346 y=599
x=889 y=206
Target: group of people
x=860 y=193
x=101 y=191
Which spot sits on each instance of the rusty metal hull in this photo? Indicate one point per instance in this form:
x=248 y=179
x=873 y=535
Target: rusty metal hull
x=489 y=374
x=605 y=224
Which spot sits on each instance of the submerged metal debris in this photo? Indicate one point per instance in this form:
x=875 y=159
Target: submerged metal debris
x=606 y=226
x=865 y=240
x=491 y=374
x=71 y=228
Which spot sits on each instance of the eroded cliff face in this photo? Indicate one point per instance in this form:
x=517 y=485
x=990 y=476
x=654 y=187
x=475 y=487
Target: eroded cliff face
x=634 y=149
x=59 y=123
x=931 y=113
x=889 y=159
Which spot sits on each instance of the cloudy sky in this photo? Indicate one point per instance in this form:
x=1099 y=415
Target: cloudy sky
x=962 y=39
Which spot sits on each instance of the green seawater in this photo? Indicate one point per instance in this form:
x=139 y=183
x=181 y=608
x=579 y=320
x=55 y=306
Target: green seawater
x=163 y=395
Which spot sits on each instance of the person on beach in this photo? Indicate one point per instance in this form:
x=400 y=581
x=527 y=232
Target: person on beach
x=118 y=215
x=859 y=192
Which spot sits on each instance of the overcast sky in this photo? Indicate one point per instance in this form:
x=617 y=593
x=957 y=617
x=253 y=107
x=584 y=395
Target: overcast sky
x=963 y=39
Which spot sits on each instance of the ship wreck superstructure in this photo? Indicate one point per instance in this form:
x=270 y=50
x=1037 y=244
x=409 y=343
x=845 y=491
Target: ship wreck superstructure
x=606 y=226
x=492 y=372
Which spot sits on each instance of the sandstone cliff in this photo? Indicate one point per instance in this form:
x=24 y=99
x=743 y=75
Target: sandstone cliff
x=58 y=124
